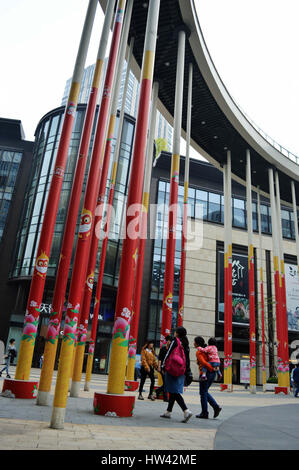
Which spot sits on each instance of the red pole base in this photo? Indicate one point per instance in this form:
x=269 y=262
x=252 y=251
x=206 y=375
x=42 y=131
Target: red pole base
x=20 y=388
x=131 y=385
x=160 y=395
x=223 y=387
x=281 y=390
x=120 y=406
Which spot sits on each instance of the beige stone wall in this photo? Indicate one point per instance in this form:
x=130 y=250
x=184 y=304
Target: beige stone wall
x=200 y=283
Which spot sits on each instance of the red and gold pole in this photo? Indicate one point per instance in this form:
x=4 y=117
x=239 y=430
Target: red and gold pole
x=142 y=239
x=107 y=228
x=185 y=205
x=77 y=373
x=173 y=197
x=252 y=336
x=47 y=230
x=84 y=236
x=227 y=379
x=284 y=365
x=115 y=400
x=71 y=220
x=262 y=289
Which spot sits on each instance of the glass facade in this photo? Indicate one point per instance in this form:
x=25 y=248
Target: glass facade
x=209 y=206
x=9 y=167
x=47 y=140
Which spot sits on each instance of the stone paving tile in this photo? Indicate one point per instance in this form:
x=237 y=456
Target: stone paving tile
x=28 y=424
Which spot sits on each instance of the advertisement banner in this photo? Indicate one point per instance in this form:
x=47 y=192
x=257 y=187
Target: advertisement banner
x=244 y=371
x=240 y=288
x=292 y=295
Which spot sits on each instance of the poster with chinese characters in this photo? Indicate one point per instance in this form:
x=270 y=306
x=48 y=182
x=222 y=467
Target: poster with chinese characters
x=292 y=295
x=240 y=288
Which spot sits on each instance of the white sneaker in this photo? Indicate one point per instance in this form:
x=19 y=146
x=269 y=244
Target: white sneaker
x=167 y=414
x=187 y=416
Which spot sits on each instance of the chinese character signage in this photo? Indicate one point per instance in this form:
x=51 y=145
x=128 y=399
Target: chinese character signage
x=292 y=294
x=244 y=371
x=240 y=288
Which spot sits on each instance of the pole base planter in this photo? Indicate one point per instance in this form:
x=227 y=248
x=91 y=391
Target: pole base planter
x=284 y=390
x=21 y=388
x=228 y=388
x=120 y=406
x=160 y=395
x=131 y=385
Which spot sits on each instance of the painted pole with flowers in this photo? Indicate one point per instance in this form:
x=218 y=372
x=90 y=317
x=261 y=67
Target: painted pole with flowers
x=80 y=348
x=252 y=338
x=47 y=230
x=262 y=287
x=142 y=239
x=84 y=236
x=173 y=197
x=121 y=329
x=284 y=365
x=107 y=227
x=71 y=220
x=185 y=205
x=227 y=382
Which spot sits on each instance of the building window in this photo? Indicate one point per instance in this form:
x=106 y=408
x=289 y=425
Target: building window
x=9 y=167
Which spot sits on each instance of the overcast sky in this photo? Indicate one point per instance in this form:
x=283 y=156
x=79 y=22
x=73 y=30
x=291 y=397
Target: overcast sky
x=254 y=46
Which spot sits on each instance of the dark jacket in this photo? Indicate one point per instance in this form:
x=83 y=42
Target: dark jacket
x=296 y=375
x=173 y=345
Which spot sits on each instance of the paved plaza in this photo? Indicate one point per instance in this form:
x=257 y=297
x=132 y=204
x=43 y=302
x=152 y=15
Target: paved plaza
x=261 y=421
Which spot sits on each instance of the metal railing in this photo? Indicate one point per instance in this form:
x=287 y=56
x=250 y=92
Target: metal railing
x=269 y=139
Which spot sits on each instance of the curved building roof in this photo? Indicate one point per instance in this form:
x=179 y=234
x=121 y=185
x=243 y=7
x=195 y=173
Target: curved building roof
x=218 y=124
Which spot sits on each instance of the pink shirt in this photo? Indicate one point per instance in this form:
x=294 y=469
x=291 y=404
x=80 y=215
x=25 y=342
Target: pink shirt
x=212 y=353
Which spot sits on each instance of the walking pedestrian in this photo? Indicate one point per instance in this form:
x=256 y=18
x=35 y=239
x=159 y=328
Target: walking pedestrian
x=296 y=380
x=148 y=364
x=176 y=364
x=205 y=397
x=161 y=357
x=9 y=357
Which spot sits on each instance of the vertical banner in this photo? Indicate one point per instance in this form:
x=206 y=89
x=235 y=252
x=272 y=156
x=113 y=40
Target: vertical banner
x=240 y=292
x=292 y=296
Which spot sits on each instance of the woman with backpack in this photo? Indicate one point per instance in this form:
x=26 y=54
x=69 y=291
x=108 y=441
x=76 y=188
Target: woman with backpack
x=176 y=366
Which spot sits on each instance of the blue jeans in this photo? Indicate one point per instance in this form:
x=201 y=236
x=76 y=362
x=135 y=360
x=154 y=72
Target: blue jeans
x=296 y=385
x=205 y=397
x=5 y=368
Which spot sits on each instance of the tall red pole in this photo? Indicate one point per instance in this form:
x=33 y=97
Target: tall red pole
x=227 y=385
x=94 y=325
x=77 y=372
x=173 y=197
x=262 y=288
x=185 y=205
x=142 y=239
x=71 y=220
x=47 y=230
x=284 y=366
x=277 y=280
x=252 y=338
x=84 y=236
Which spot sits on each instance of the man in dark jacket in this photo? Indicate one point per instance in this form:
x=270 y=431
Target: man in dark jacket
x=296 y=380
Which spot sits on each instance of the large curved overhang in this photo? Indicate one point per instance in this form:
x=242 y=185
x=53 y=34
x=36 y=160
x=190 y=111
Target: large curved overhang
x=225 y=126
